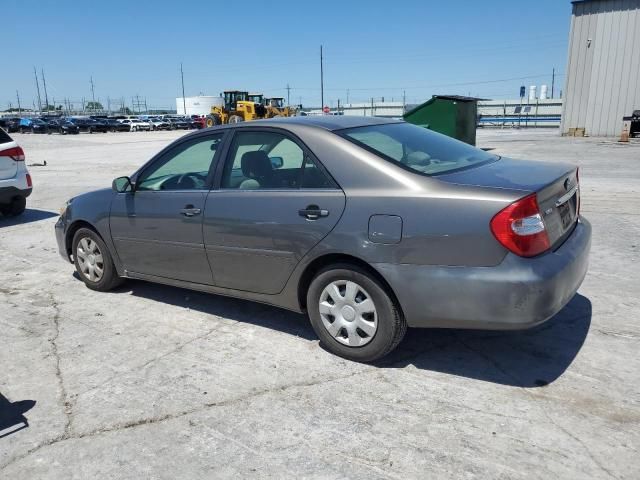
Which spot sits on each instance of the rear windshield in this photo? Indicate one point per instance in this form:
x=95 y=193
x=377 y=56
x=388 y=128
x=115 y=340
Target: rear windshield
x=4 y=137
x=416 y=148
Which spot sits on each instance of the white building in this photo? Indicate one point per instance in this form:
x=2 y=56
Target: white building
x=374 y=109
x=603 y=68
x=200 y=105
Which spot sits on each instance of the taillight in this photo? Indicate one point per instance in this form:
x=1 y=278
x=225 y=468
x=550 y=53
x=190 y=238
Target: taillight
x=520 y=228
x=29 y=182
x=16 y=154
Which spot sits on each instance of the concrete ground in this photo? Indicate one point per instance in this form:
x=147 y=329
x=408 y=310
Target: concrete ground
x=157 y=382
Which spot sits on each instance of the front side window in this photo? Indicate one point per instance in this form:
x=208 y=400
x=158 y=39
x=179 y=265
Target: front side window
x=417 y=148
x=184 y=168
x=270 y=160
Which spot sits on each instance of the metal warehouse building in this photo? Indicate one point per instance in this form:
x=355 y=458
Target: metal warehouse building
x=603 y=69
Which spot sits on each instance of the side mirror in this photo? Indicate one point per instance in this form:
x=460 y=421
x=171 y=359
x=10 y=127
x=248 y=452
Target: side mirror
x=276 y=162
x=122 y=185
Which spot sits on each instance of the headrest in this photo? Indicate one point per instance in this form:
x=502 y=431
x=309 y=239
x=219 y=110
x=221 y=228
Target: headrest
x=256 y=164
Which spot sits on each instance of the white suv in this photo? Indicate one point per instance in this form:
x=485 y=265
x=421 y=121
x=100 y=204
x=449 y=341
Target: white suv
x=15 y=181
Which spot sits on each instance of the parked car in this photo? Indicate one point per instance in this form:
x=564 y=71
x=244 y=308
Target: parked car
x=158 y=124
x=115 y=125
x=366 y=224
x=194 y=122
x=10 y=124
x=136 y=125
x=63 y=126
x=15 y=181
x=33 y=125
x=178 y=123
x=89 y=125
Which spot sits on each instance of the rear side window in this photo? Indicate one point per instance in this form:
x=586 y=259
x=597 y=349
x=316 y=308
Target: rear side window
x=4 y=137
x=270 y=160
x=416 y=148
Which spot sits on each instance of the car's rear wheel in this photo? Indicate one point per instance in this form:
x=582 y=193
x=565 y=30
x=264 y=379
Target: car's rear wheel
x=93 y=261
x=353 y=313
x=15 y=208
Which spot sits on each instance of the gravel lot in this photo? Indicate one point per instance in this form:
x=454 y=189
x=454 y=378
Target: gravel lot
x=157 y=382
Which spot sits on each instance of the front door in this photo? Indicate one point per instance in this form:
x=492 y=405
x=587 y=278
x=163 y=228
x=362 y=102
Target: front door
x=274 y=204
x=157 y=229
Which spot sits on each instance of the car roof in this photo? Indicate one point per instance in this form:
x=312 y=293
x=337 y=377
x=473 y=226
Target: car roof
x=329 y=122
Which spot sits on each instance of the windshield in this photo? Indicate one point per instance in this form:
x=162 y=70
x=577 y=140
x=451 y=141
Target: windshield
x=417 y=148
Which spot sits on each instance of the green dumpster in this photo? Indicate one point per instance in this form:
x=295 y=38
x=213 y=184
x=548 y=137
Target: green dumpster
x=451 y=115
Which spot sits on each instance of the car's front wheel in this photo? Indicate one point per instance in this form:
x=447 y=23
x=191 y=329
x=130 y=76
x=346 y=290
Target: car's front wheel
x=353 y=313
x=93 y=261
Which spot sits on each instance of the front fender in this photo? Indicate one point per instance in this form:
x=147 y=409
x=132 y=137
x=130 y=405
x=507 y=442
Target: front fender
x=91 y=209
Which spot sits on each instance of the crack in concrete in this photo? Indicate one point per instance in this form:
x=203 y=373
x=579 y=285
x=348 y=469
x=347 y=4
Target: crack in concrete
x=67 y=435
x=19 y=327
x=66 y=403
x=159 y=357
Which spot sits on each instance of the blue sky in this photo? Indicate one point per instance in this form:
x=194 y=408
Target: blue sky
x=371 y=48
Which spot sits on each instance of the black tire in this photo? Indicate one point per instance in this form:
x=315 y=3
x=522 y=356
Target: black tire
x=90 y=130
x=110 y=278
x=213 y=120
x=391 y=326
x=15 y=208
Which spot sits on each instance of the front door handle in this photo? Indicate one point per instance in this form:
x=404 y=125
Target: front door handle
x=190 y=211
x=313 y=212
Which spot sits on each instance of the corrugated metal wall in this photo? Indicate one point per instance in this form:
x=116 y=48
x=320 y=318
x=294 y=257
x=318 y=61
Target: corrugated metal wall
x=603 y=69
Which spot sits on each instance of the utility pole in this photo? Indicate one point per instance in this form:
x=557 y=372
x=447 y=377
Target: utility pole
x=93 y=94
x=347 y=95
x=44 y=84
x=18 y=97
x=288 y=91
x=404 y=100
x=184 y=101
x=38 y=88
x=553 y=80
x=321 y=81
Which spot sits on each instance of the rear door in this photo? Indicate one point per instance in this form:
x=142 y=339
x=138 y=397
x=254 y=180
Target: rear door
x=274 y=204
x=8 y=166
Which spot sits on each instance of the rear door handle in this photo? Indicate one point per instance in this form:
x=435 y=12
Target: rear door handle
x=190 y=211
x=313 y=212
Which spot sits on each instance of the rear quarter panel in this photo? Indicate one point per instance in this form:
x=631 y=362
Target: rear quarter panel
x=442 y=223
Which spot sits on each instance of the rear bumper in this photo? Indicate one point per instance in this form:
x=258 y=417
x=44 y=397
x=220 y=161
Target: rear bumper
x=8 y=193
x=519 y=293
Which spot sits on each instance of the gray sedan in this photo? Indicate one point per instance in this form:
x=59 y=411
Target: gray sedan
x=367 y=225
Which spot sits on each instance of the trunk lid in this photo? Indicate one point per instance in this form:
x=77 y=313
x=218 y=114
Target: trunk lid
x=8 y=167
x=555 y=186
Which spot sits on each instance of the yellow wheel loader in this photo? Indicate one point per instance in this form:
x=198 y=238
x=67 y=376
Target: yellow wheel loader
x=237 y=108
x=275 y=108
